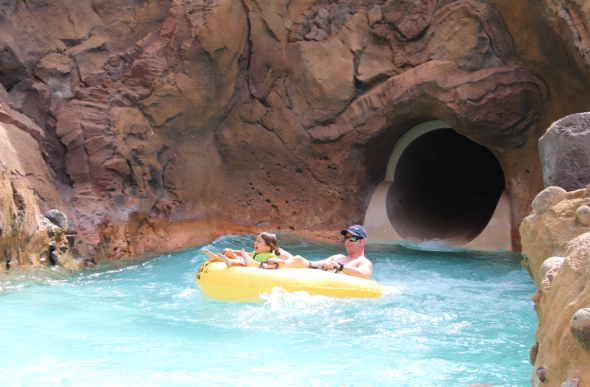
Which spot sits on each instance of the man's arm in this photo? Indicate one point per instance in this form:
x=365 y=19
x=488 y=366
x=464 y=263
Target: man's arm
x=363 y=270
x=324 y=263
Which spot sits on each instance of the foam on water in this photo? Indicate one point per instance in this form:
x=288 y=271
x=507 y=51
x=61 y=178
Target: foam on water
x=448 y=318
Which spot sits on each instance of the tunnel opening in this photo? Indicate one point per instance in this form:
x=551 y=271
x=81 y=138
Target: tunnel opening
x=445 y=187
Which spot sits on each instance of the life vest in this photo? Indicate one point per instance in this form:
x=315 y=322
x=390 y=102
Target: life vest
x=262 y=256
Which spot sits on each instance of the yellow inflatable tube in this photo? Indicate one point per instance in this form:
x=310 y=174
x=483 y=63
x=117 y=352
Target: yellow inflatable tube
x=242 y=283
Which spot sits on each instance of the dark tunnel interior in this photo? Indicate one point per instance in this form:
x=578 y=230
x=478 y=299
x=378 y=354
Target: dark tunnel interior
x=445 y=187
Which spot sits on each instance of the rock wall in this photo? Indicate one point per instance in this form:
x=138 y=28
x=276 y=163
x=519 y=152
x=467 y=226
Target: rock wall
x=165 y=123
x=556 y=246
x=31 y=231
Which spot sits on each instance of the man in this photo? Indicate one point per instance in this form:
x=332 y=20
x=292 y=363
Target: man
x=355 y=263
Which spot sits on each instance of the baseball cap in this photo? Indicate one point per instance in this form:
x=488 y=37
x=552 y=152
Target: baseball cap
x=356 y=230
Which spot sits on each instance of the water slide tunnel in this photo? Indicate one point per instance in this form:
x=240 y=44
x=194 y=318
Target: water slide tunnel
x=440 y=186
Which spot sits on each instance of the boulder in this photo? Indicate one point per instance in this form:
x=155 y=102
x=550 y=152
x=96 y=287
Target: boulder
x=547 y=198
x=580 y=327
x=565 y=152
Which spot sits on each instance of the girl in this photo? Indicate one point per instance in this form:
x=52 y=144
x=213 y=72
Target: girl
x=265 y=247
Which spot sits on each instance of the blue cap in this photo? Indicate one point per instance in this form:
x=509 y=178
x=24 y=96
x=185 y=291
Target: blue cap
x=355 y=230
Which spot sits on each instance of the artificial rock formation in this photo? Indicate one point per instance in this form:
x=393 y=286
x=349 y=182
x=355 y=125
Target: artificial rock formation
x=565 y=152
x=164 y=123
x=28 y=230
x=556 y=242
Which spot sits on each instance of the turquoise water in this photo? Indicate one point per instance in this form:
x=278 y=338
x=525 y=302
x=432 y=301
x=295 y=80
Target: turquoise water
x=449 y=318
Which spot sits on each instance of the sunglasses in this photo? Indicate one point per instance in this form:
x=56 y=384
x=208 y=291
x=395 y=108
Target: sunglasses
x=352 y=239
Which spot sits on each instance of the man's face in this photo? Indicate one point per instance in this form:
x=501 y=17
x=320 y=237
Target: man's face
x=353 y=243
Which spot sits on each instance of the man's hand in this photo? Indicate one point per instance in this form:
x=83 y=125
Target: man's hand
x=331 y=265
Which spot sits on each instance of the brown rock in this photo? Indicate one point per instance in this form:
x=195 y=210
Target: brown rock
x=534 y=352
x=583 y=215
x=58 y=218
x=551 y=264
x=324 y=73
x=55 y=70
x=375 y=64
x=26 y=193
x=580 y=327
x=542 y=374
x=547 y=198
x=575 y=382
x=10 y=116
x=565 y=152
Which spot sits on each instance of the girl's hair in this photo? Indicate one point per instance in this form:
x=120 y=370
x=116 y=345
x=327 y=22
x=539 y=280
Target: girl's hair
x=271 y=240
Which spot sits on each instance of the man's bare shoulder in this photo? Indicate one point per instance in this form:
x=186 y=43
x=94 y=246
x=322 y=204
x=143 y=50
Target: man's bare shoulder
x=336 y=257
x=363 y=260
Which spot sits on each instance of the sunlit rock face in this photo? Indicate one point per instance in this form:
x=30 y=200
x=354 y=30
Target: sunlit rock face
x=30 y=233
x=163 y=123
x=556 y=241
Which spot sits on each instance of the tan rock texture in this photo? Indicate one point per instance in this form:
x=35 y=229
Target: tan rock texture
x=27 y=237
x=556 y=246
x=166 y=123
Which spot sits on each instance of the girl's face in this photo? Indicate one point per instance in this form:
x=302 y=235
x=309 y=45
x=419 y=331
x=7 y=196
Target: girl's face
x=260 y=245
